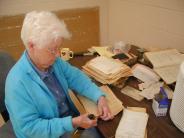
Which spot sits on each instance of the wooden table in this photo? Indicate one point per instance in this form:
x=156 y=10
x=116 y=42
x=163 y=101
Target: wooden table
x=158 y=127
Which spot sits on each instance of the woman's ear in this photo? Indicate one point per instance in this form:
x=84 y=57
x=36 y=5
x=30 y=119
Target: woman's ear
x=30 y=48
x=30 y=45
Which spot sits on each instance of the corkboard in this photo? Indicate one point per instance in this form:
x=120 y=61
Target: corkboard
x=82 y=23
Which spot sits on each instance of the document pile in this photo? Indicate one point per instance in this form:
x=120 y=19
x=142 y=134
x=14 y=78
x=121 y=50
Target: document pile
x=132 y=124
x=106 y=70
x=149 y=84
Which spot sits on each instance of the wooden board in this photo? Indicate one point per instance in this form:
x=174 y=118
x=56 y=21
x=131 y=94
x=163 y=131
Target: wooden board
x=82 y=23
x=1 y=120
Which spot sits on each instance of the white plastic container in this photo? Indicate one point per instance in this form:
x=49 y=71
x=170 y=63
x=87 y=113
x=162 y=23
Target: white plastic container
x=177 y=105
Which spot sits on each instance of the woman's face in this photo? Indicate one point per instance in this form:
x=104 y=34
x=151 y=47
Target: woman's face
x=44 y=57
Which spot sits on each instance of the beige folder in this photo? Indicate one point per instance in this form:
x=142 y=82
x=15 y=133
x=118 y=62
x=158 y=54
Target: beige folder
x=85 y=105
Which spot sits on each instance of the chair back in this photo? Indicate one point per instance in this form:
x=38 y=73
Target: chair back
x=6 y=62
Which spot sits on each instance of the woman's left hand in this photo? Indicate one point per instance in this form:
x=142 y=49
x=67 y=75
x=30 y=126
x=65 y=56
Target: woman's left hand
x=103 y=109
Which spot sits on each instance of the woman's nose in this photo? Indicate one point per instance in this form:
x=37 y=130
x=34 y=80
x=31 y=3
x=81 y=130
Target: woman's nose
x=58 y=53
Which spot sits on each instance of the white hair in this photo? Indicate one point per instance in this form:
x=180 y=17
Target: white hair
x=41 y=28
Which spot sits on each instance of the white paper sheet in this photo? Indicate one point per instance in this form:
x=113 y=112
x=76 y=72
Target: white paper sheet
x=132 y=125
x=150 y=92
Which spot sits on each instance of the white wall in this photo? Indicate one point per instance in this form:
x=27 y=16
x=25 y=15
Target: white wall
x=14 y=7
x=147 y=23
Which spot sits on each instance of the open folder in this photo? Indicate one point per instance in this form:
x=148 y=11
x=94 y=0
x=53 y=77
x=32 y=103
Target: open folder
x=85 y=105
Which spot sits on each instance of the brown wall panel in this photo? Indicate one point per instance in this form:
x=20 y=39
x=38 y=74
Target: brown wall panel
x=82 y=23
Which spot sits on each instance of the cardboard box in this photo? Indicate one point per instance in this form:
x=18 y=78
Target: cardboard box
x=160 y=103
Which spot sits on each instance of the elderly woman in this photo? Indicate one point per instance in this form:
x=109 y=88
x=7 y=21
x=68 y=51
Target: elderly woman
x=36 y=92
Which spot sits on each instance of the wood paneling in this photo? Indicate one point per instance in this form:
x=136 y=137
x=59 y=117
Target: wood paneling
x=82 y=23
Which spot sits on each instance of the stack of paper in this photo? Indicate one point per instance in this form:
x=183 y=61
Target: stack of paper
x=85 y=105
x=106 y=70
x=132 y=124
x=166 y=63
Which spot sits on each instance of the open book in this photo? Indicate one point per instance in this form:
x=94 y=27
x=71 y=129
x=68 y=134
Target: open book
x=166 y=63
x=85 y=105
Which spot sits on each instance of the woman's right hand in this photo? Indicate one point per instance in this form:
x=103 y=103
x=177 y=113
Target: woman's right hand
x=83 y=121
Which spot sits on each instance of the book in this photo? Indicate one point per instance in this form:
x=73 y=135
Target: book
x=166 y=63
x=85 y=105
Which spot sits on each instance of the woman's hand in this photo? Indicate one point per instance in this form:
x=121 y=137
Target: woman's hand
x=84 y=121
x=103 y=109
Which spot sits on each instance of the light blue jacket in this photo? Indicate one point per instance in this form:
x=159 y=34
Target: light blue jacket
x=33 y=108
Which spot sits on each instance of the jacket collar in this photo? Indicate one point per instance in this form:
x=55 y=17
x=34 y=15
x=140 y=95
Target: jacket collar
x=31 y=71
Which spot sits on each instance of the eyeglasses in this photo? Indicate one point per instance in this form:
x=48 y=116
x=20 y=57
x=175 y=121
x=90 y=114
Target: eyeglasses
x=54 y=51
